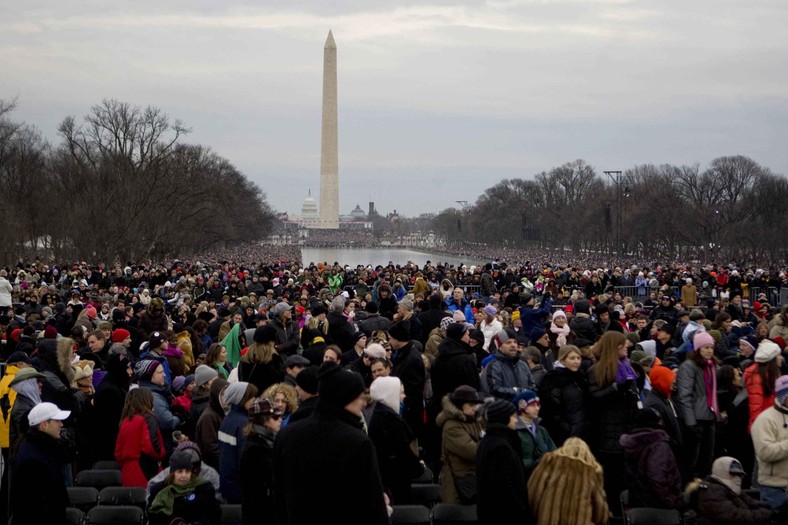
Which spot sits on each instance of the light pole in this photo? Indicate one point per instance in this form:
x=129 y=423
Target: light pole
x=615 y=176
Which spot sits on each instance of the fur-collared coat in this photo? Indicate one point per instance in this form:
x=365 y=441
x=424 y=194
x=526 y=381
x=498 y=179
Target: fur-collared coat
x=566 y=491
x=461 y=436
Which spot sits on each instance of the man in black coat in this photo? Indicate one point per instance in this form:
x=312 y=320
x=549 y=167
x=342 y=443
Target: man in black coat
x=409 y=367
x=431 y=318
x=373 y=321
x=329 y=450
x=454 y=366
x=501 y=490
x=38 y=490
x=340 y=331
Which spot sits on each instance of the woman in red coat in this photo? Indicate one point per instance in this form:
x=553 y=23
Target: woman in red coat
x=140 y=447
x=759 y=378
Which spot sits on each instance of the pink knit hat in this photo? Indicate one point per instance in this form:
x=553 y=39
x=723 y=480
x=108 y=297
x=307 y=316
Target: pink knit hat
x=702 y=338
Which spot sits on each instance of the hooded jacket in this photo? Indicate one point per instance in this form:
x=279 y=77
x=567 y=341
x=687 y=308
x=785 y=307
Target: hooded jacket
x=460 y=439
x=650 y=462
x=207 y=432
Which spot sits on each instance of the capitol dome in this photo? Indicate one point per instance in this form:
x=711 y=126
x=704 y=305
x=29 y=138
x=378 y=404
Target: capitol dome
x=358 y=213
x=309 y=208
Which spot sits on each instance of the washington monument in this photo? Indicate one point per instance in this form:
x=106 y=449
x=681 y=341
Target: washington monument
x=329 y=154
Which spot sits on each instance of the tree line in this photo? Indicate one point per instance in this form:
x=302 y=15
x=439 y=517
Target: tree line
x=733 y=209
x=120 y=184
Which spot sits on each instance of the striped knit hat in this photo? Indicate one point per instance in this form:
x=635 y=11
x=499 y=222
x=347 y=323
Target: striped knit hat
x=781 y=389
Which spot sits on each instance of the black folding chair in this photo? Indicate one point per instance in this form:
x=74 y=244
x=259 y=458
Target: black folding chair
x=106 y=464
x=99 y=478
x=231 y=514
x=116 y=515
x=123 y=496
x=427 y=494
x=82 y=498
x=453 y=513
x=410 y=515
x=652 y=516
x=74 y=516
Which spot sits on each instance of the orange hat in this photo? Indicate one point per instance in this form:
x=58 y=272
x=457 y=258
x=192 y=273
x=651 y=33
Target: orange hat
x=661 y=378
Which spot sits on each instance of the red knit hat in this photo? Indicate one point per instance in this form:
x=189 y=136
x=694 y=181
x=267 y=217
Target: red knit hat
x=120 y=334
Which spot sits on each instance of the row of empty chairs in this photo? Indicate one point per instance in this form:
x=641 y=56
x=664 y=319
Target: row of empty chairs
x=439 y=514
x=133 y=515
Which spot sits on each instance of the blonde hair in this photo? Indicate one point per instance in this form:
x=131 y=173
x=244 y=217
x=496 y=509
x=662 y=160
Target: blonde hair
x=291 y=396
x=259 y=353
x=565 y=350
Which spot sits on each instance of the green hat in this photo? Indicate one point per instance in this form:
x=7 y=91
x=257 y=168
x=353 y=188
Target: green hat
x=716 y=335
x=636 y=356
x=25 y=373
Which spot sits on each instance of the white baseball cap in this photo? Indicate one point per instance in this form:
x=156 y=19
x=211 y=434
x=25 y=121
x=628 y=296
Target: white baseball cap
x=44 y=412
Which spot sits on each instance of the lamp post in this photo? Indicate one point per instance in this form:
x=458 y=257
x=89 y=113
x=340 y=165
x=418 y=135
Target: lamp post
x=615 y=176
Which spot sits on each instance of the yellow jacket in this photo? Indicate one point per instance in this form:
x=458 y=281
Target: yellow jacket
x=5 y=413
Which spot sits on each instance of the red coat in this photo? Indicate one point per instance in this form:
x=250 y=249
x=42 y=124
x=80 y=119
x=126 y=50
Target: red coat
x=139 y=438
x=758 y=401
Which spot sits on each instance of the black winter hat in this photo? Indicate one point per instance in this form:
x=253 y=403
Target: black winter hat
x=180 y=460
x=371 y=307
x=400 y=331
x=264 y=334
x=499 y=411
x=337 y=386
x=307 y=380
x=582 y=307
x=455 y=331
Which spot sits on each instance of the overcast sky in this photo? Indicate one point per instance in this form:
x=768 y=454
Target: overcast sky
x=438 y=100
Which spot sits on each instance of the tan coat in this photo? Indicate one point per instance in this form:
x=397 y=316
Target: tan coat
x=460 y=438
x=689 y=295
x=564 y=490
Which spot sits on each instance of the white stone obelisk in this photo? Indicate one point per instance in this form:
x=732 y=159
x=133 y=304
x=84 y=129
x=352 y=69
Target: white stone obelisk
x=329 y=141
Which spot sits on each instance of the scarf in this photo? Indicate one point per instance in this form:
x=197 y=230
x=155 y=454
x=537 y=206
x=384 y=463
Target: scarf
x=625 y=371
x=561 y=332
x=164 y=502
x=710 y=382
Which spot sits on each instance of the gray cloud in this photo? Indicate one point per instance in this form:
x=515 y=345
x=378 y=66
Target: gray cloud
x=437 y=101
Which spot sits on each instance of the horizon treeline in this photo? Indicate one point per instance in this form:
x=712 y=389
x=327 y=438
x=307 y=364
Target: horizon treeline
x=732 y=210
x=120 y=183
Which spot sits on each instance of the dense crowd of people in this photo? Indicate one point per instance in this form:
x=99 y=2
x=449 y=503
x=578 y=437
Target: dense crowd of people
x=536 y=391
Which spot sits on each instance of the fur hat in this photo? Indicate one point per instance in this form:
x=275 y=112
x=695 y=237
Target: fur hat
x=337 y=386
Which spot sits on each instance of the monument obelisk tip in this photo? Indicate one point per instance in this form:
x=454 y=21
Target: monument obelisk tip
x=330 y=40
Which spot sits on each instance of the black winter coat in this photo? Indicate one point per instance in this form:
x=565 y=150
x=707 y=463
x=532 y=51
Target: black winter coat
x=501 y=489
x=409 y=368
x=584 y=328
x=398 y=464
x=108 y=404
x=719 y=505
x=454 y=366
x=257 y=479
x=613 y=410
x=262 y=375
x=563 y=394
x=328 y=450
x=340 y=331
x=38 y=491
x=667 y=410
